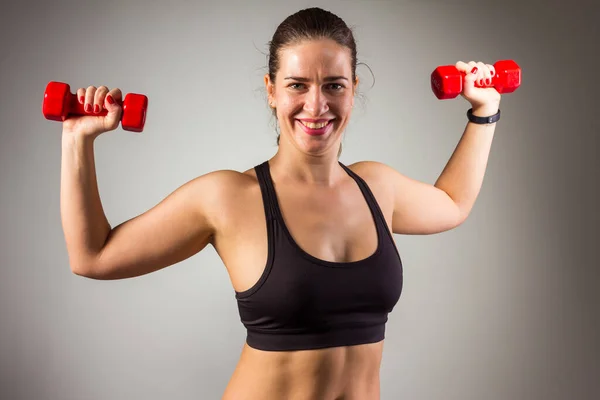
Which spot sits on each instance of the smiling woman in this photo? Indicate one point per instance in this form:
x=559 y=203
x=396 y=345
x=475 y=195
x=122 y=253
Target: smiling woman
x=307 y=241
x=312 y=93
x=320 y=35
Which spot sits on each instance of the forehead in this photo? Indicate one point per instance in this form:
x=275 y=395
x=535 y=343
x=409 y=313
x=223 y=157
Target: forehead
x=315 y=57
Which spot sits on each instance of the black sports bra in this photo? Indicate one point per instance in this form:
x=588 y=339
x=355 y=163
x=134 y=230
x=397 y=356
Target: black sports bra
x=301 y=302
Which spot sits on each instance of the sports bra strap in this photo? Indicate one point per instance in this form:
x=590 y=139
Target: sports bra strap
x=369 y=196
x=272 y=205
x=267 y=190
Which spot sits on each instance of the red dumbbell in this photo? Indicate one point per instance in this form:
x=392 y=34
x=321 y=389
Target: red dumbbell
x=59 y=103
x=447 y=80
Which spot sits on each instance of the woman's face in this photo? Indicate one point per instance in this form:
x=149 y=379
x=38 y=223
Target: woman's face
x=313 y=93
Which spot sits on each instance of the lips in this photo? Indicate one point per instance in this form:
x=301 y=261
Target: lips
x=316 y=124
x=315 y=127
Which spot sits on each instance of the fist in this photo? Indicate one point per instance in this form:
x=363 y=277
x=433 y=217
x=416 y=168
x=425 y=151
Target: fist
x=96 y=100
x=480 y=74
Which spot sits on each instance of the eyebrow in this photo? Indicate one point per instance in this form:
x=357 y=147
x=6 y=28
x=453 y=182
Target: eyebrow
x=327 y=79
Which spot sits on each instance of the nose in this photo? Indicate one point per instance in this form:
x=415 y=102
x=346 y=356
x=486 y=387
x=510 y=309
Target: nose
x=316 y=102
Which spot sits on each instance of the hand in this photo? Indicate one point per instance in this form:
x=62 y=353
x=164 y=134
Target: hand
x=485 y=101
x=95 y=100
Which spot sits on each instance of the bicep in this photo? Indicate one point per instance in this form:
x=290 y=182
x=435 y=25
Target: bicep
x=422 y=209
x=418 y=208
x=172 y=231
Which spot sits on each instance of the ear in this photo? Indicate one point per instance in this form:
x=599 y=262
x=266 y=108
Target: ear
x=270 y=86
x=355 y=86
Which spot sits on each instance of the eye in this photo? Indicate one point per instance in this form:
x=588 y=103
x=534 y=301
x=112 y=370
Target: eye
x=336 y=86
x=296 y=86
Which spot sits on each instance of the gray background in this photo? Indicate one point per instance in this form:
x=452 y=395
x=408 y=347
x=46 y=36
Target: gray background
x=503 y=307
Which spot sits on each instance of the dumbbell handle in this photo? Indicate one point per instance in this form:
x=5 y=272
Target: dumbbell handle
x=59 y=103
x=447 y=81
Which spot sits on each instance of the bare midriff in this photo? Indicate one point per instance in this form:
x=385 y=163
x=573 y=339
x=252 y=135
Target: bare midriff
x=338 y=373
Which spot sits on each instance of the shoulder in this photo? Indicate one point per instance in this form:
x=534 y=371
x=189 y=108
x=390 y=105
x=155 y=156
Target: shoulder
x=375 y=173
x=379 y=178
x=224 y=179
x=219 y=193
x=372 y=169
x=222 y=185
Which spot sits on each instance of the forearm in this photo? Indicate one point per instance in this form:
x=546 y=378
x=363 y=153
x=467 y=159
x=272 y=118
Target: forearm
x=462 y=177
x=84 y=223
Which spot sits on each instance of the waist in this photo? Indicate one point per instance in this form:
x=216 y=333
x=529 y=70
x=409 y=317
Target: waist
x=349 y=372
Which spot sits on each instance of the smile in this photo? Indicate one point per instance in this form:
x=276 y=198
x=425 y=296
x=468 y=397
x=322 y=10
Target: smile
x=314 y=125
x=315 y=128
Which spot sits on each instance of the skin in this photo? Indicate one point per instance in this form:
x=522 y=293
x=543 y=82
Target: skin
x=322 y=206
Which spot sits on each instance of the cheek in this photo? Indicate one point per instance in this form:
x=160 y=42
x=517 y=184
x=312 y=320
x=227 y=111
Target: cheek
x=289 y=105
x=342 y=107
x=348 y=107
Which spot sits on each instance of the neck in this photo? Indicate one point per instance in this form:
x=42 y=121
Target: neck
x=301 y=168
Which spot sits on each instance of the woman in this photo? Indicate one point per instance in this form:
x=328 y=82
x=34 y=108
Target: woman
x=306 y=240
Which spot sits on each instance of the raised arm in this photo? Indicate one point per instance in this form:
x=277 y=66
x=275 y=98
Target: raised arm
x=175 y=229
x=422 y=208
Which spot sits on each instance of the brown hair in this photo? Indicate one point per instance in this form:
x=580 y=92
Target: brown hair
x=309 y=24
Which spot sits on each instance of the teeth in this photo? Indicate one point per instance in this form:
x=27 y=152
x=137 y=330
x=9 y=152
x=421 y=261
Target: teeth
x=313 y=125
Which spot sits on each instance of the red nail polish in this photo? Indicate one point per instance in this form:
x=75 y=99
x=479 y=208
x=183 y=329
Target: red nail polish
x=474 y=70
x=96 y=108
x=88 y=108
x=81 y=99
x=110 y=99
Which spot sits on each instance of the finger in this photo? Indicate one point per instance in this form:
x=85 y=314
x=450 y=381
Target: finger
x=114 y=97
x=471 y=73
x=475 y=71
x=81 y=95
x=465 y=67
x=484 y=78
x=99 y=98
x=112 y=103
x=470 y=79
x=492 y=71
x=89 y=98
x=462 y=66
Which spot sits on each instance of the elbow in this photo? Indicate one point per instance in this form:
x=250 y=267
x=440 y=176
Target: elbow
x=85 y=268
x=456 y=211
x=89 y=273
x=96 y=270
x=81 y=270
x=460 y=218
x=461 y=212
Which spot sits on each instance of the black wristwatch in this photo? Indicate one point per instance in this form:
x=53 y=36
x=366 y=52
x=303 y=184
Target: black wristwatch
x=483 y=120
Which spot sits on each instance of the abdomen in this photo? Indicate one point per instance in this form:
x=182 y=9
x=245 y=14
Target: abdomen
x=347 y=373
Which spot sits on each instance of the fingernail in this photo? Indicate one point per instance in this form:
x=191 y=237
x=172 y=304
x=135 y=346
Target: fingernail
x=474 y=70
x=81 y=99
x=96 y=108
x=110 y=99
x=88 y=107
